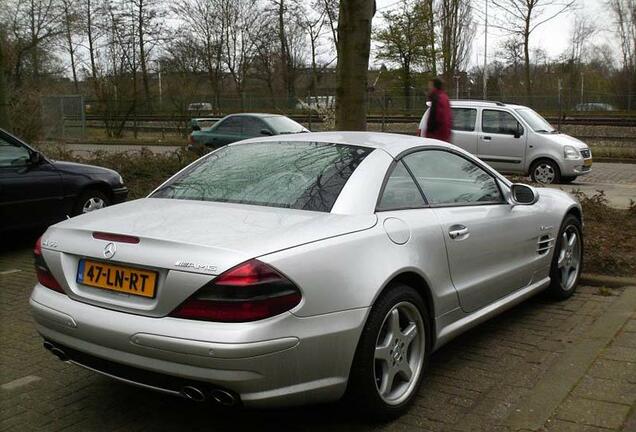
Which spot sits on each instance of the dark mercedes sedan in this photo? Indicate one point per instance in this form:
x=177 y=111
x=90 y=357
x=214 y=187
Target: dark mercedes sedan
x=36 y=191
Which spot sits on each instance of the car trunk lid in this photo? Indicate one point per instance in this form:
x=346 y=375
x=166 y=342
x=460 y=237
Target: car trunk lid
x=187 y=243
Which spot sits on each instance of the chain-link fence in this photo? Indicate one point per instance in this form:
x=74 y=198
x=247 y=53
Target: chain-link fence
x=63 y=116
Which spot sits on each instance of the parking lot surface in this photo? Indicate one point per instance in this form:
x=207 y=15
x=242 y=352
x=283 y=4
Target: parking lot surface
x=544 y=365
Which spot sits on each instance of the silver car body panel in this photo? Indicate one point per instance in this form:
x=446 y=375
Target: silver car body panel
x=341 y=261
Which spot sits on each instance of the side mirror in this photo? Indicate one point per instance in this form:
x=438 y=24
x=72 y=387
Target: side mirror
x=522 y=194
x=196 y=127
x=266 y=132
x=518 y=131
x=35 y=158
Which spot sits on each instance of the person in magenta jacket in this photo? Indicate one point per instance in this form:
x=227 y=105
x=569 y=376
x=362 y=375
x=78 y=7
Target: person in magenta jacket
x=440 y=118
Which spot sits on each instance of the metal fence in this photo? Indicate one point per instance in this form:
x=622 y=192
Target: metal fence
x=63 y=116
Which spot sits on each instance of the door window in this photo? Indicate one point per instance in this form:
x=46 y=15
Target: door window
x=449 y=179
x=12 y=155
x=230 y=125
x=400 y=191
x=464 y=119
x=499 y=122
x=252 y=126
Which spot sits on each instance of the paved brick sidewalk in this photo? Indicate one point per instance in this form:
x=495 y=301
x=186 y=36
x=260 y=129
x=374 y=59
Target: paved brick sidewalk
x=473 y=384
x=614 y=173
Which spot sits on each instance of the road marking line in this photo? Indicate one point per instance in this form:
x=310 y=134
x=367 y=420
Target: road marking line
x=6 y=272
x=20 y=382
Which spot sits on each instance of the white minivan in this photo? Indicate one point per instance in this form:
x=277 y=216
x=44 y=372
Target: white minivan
x=515 y=139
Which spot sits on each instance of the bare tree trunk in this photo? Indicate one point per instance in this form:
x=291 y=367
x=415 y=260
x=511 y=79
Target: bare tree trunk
x=142 y=55
x=526 y=59
x=4 y=112
x=69 y=41
x=35 y=61
x=354 y=43
x=431 y=25
x=91 y=42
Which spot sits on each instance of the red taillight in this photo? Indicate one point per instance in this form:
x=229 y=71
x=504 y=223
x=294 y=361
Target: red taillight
x=115 y=237
x=42 y=270
x=248 y=292
x=191 y=139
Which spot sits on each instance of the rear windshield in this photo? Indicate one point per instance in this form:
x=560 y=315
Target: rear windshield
x=299 y=175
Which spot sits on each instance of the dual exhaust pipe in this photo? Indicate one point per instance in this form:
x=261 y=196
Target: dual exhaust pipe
x=218 y=396
x=190 y=392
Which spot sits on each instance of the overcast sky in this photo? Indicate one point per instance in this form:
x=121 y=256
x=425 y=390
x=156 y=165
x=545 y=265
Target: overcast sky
x=552 y=36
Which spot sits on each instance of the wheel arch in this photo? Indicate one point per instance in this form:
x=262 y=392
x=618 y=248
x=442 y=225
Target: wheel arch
x=541 y=157
x=576 y=212
x=96 y=185
x=419 y=283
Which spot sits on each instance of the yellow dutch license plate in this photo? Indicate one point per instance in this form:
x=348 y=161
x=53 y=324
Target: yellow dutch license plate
x=117 y=278
x=587 y=162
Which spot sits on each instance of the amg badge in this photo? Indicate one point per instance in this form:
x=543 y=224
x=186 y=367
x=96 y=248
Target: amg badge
x=196 y=266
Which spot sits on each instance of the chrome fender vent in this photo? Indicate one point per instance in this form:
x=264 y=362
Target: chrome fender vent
x=544 y=244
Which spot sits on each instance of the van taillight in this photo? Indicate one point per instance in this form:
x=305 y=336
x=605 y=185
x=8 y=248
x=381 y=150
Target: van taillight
x=248 y=292
x=42 y=271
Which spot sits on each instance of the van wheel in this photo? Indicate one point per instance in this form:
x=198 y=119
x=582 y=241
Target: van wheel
x=545 y=171
x=391 y=356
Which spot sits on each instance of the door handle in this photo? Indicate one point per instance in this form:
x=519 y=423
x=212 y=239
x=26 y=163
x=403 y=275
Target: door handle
x=486 y=138
x=457 y=231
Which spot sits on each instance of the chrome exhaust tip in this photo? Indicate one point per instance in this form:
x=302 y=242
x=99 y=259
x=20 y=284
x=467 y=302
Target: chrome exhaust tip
x=192 y=393
x=55 y=351
x=59 y=354
x=223 y=397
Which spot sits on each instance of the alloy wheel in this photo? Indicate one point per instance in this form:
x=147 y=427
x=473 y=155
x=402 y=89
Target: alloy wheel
x=544 y=173
x=569 y=260
x=93 y=203
x=399 y=353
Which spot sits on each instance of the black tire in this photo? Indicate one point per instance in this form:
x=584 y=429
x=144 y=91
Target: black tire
x=87 y=195
x=362 y=391
x=545 y=164
x=558 y=288
x=567 y=180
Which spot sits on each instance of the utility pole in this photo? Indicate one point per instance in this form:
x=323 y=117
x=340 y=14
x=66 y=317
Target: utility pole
x=582 y=85
x=486 y=53
x=457 y=86
x=160 y=88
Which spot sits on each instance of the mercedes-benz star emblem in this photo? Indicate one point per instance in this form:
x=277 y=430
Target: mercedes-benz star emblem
x=109 y=250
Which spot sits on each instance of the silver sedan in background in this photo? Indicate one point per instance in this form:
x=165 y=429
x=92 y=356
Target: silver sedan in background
x=300 y=269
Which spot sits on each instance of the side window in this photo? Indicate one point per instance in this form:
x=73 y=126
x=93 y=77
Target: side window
x=230 y=125
x=499 y=122
x=449 y=179
x=400 y=191
x=12 y=155
x=464 y=119
x=252 y=126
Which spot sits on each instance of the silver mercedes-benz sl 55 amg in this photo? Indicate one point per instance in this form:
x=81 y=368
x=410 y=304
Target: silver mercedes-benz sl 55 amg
x=300 y=269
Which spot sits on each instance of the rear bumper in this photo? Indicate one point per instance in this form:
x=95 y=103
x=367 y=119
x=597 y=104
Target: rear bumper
x=281 y=361
x=120 y=194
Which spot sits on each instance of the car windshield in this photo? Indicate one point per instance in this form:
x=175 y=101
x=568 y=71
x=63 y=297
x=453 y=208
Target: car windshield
x=535 y=121
x=284 y=125
x=299 y=175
